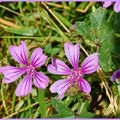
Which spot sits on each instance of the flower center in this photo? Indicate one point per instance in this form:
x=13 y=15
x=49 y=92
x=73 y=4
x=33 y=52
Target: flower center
x=74 y=87
x=76 y=73
x=30 y=70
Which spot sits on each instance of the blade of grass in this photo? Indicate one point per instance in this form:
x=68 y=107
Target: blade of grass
x=12 y=11
x=63 y=19
x=40 y=38
x=45 y=15
x=13 y=103
x=55 y=16
x=42 y=103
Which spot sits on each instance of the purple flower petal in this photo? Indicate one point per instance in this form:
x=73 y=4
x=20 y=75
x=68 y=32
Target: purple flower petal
x=107 y=4
x=90 y=64
x=40 y=80
x=11 y=73
x=84 y=85
x=60 y=87
x=19 y=53
x=115 y=75
x=59 y=67
x=24 y=87
x=38 y=58
x=72 y=52
x=117 y=6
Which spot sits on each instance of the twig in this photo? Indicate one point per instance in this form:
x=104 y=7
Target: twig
x=66 y=29
x=88 y=6
x=68 y=8
x=84 y=50
x=8 y=23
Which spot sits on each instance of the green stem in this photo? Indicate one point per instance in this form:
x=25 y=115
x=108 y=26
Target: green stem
x=3 y=101
x=29 y=104
x=42 y=103
x=13 y=103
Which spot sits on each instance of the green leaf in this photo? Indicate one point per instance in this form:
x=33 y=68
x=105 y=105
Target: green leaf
x=100 y=32
x=54 y=51
x=84 y=111
x=83 y=29
x=97 y=17
x=75 y=107
x=34 y=92
x=116 y=56
x=62 y=109
x=19 y=105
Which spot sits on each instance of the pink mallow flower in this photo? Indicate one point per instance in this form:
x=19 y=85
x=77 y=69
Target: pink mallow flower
x=116 y=5
x=11 y=73
x=75 y=75
x=115 y=75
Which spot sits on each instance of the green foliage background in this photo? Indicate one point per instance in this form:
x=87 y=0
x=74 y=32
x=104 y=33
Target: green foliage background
x=49 y=25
